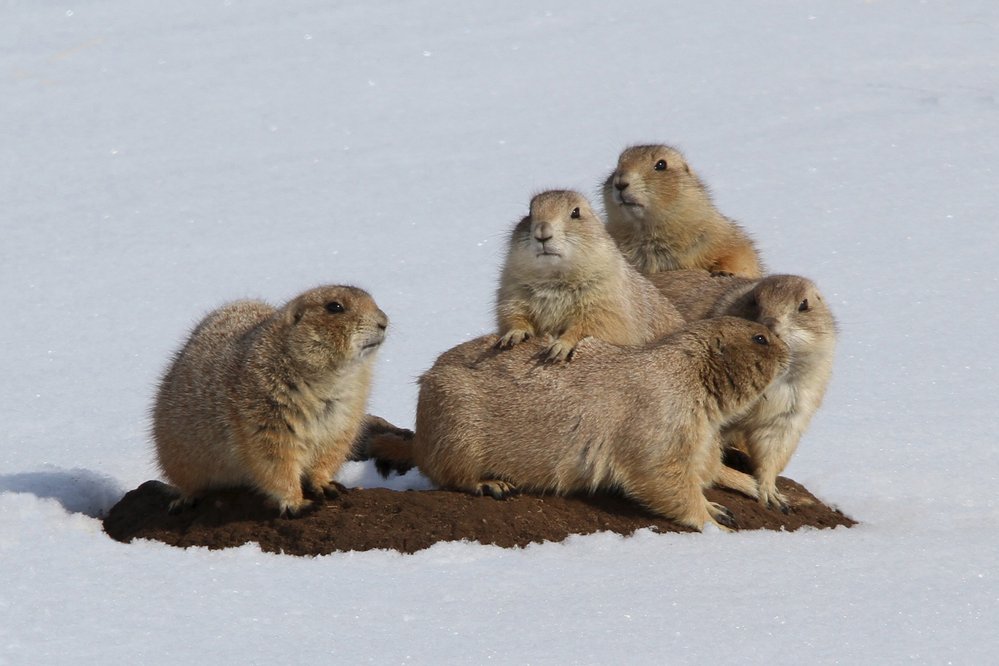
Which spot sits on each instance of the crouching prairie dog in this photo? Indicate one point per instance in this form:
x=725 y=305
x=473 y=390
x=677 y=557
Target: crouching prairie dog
x=662 y=217
x=643 y=420
x=269 y=398
x=793 y=308
x=565 y=278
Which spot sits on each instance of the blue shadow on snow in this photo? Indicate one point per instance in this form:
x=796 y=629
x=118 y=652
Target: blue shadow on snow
x=77 y=490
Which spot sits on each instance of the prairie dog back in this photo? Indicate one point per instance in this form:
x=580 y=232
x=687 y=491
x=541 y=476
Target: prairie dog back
x=696 y=293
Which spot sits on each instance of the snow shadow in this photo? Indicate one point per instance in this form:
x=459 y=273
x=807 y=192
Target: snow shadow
x=77 y=490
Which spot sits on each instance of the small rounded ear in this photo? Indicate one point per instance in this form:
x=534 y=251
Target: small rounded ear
x=686 y=167
x=294 y=313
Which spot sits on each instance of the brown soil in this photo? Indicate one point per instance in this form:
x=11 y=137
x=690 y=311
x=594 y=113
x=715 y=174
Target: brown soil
x=365 y=519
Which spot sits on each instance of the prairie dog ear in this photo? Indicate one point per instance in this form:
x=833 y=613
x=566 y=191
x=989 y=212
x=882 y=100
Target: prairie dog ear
x=293 y=313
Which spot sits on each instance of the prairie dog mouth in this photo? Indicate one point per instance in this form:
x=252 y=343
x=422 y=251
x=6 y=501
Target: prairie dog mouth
x=372 y=344
x=543 y=249
x=624 y=200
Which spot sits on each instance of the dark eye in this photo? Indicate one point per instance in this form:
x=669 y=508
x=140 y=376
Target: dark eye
x=575 y=213
x=761 y=339
x=803 y=306
x=334 y=307
x=660 y=165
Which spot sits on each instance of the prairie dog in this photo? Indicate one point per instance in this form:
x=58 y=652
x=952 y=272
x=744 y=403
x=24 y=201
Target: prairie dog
x=662 y=217
x=565 y=278
x=269 y=398
x=793 y=308
x=644 y=420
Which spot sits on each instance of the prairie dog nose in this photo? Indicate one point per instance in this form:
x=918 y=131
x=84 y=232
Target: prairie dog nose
x=543 y=232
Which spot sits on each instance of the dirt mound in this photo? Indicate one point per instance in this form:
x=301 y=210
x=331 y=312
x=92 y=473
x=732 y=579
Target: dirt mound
x=364 y=519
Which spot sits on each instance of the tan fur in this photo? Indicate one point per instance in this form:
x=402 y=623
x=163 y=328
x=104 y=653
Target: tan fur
x=663 y=219
x=269 y=398
x=373 y=426
x=644 y=420
x=565 y=278
x=792 y=307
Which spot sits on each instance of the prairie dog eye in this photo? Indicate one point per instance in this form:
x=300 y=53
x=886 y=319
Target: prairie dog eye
x=660 y=165
x=333 y=307
x=760 y=339
x=575 y=213
x=803 y=306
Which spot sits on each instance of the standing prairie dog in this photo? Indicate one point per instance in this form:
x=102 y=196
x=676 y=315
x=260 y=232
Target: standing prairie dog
x=652 y=432
x=269 y=398
x=662 y=217
x=565 y=278
x=792 y=307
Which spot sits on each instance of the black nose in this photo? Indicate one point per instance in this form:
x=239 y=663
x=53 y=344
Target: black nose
x=621 y=186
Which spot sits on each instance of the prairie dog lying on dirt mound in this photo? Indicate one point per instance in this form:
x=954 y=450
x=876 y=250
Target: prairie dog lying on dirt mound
x=644 y=420
x=565 y=278
x=269 y=398
x=662 y=217
x=793 y=308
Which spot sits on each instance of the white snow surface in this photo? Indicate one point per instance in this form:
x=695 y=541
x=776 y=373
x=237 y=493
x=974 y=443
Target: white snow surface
x=159 y=159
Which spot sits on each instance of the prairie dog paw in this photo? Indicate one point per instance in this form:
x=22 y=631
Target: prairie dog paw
x=722 y=516
x=328 y=490
x=513 y=337
x=559 y=352
x=495 y=488
x=290 y=509
x=181 y=504
x=772 y=498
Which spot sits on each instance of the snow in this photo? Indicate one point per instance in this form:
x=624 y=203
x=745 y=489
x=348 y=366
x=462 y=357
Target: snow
x=162 y=158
